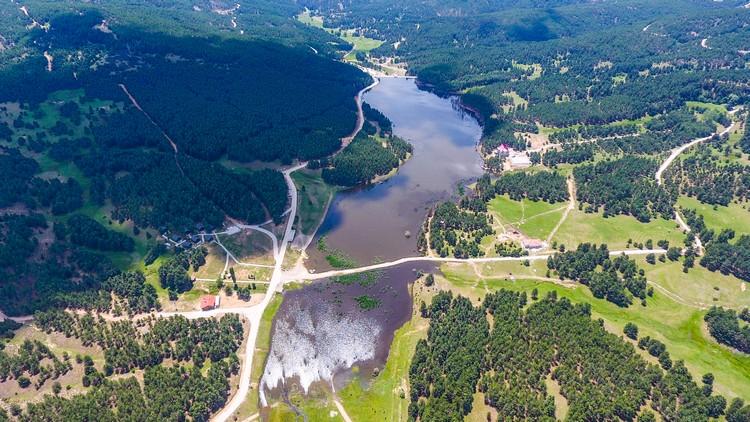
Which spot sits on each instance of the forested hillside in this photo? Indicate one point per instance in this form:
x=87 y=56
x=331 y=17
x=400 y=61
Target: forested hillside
x=146 y=115
x=569 y=61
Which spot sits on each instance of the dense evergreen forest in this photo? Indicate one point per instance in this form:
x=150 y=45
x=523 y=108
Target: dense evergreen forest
x=514 y=354
x=364 y=159
x=540 y=186
x=724 y=326
x=623 y=186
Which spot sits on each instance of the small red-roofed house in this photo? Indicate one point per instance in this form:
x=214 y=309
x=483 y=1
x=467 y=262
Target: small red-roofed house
x=208 y=302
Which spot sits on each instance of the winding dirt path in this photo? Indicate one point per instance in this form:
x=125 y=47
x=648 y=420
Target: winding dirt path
x=659 y=176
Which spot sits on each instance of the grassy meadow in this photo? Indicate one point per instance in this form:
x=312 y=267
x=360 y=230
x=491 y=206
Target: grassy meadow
x=614 y=231
x=734 y=216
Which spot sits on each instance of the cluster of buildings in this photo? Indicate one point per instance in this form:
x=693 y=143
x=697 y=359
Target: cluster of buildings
x=188 y=239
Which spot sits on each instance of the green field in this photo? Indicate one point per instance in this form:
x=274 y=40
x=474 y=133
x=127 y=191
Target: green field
x=534 y=218
x=316 y=406
x=215 y=261
x=517 y=101
x=47 y=115
x=381 y=400
x=699 y=287
x=615 y=231
x=536 y=67
x=720 y=217
x=314 y=195
x=680 y=327
x=697 y=105
x=309 y=19
x=249 y=246
x=360 y=43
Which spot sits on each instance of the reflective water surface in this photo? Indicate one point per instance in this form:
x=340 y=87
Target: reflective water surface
x=370 y=223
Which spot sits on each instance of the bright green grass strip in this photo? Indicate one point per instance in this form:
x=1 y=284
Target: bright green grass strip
x=313 y=197
x=706 y=106
x=381 y=400
x=262 y=346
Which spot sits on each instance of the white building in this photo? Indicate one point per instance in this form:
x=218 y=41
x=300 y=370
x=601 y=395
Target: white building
x=519 y=160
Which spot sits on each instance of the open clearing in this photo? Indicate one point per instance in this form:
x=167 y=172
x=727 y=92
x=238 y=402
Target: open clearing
x=316 y=406
x=249 y=246
x=360 y=43
x=699 y=286
x=57 y=343
x=533 y=218
x=615 y=231
x=720 y=217
x=215 y=261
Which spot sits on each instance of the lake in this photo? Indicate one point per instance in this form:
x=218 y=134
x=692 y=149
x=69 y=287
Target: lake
x=369 y=223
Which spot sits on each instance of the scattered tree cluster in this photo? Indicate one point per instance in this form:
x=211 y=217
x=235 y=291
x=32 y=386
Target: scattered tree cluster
x=145 y=343
x=724 y=326
x=458 y=231
x=33 y=359
x=710 y=179
x=722 y=252
x=173 y=274
x=607 y=278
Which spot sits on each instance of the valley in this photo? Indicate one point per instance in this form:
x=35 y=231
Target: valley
x=416 y=211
